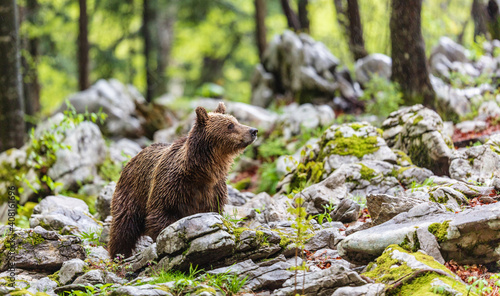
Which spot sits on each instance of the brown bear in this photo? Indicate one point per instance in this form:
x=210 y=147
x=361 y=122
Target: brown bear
x=164 y=183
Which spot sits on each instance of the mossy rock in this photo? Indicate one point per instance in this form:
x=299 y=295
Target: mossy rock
x=356 y=140
x=411 y=273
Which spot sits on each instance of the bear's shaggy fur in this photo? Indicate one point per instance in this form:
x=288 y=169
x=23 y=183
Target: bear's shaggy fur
x=164 y=183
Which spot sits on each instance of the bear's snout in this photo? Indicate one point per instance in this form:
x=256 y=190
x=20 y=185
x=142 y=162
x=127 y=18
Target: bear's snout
x=253 y=132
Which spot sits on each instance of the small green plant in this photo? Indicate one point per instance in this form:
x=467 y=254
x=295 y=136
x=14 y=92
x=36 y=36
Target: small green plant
x=163 y=276
x=326 y=213
x=301 y=225
x=229 y=284
x=429 y=182
x=233 y=218
x=98 y=289
x=381 y=96
x=478 y=285
x=92 y=237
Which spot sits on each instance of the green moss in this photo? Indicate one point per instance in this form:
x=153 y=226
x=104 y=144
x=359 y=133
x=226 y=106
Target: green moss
x=471 y=161
x=422 y=286
x=243 y=184
x=356 y=126
x=440 y=230
x=418 y=119
x=306 y=174
x=411 y=246
x=285 y=241
x=389 y=271
x=366 y=172
x=402 y=157
x=261 y=238
x=55 y=277
x=357 y=146
x=441 y=199
x=33 y=239
x=200 y=291
x=237 y=232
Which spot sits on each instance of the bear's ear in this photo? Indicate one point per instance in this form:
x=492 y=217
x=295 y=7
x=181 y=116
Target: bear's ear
x=201 y=115
x=221 y=108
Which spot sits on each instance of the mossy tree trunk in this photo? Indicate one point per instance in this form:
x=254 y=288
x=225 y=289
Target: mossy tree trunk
x=12 y=126
x=409 y=65
x=349 y=19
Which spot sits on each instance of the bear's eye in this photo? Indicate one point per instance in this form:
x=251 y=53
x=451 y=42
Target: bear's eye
x=230 y=126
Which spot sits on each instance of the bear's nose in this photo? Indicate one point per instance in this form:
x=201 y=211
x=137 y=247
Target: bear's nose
x=253 y=132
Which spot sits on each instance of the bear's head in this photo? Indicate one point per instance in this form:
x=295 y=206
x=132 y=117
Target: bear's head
x=223 y=131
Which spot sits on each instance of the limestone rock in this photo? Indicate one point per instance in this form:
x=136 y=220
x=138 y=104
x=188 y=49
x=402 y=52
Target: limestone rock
x=103 y=201
x=468 y=237
x=323 y=282
x=416 y=131
x=39 y=249
x=70 y=269
x=78 y=164
x=376 y=63
x=58 y=212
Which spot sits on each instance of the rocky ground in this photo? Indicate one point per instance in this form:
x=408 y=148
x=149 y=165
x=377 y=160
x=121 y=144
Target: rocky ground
x=407 y=206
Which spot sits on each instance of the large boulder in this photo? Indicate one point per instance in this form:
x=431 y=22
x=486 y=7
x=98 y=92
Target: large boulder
x=61 y=212
x=373 y=64
x=417 y=131
x=323 y=282
x=478 y=164
x=468 y=237
x=298 y=65
x=38 y=249
x=339 y=145
x=412 y=273
x=78 y=164
x=118 y=101
x=206 y=240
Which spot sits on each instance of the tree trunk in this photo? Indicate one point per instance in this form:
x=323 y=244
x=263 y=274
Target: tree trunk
x=291 y=16
x=260 y=26
x=303 y=16
x=83 y=47
x=349 y=19
x=165 y=33
x=409 y=67
x=29 y=62
x=479 y=15
x=148 y=43
x=12 y=124
x=494 y=19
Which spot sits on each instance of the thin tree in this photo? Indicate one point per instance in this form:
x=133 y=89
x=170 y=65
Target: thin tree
x=148 y=46
x=29 y=62
x=165 y=21
x=291 y=16
x=303 y=15
x=260 y=26
x=349 y=19
x=11 y=93
x=83 y=47
x=409 y=67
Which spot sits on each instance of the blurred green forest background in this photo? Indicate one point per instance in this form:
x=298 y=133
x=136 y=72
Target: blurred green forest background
x=196 y=41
